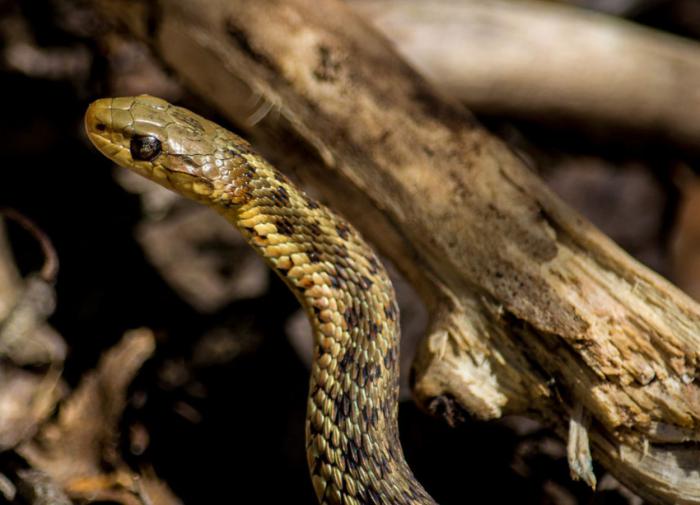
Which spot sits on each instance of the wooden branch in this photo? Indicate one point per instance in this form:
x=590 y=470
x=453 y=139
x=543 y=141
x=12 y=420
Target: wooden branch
x=551 y=63
x=533 y=310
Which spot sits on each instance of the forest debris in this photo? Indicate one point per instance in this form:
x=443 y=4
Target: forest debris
x=498 y=56
x=578 y=450
x=225 y=343
x=76 y=449
x=25 y=337
x=203 y=257
x=37 y=488
x=26 y=400
x=7 y=488
x=200 y=255
x=27 y=397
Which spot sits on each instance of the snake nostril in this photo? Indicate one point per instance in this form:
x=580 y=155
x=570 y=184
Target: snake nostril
x=100 y=127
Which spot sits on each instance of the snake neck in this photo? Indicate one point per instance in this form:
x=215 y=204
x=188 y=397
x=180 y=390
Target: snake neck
x=353 y=448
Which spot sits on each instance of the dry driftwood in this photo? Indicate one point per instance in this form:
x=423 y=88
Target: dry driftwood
x=549 y=62
x=533 y=310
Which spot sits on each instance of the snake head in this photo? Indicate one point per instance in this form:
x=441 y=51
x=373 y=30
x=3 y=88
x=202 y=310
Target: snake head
x=171 y=146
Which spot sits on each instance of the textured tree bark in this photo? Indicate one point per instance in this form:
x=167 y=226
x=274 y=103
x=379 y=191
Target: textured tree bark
x=551 y=63
x=533 y=310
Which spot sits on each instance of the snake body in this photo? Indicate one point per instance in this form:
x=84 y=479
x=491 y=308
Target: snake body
x=352 y=441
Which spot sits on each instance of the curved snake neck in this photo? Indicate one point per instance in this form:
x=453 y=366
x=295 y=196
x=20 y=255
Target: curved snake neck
x=352 y=442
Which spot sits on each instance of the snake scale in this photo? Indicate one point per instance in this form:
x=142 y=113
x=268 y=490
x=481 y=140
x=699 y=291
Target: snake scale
x=352 y=441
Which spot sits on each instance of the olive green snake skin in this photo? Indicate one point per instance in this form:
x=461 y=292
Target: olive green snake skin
x=353 y=448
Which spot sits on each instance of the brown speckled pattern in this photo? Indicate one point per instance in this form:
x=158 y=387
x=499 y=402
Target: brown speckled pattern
x=353 y=449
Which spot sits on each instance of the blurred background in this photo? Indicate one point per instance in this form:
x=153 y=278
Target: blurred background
x=216 y=408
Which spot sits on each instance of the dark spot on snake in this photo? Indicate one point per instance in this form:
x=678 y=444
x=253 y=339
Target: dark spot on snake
x=350 y=318
x=342 y=273
x=343 y=230
x=346 y=404
x=365 y=374
x=372 y=497
x=242 y=147
x=313 y=255
x=315 y=229
x=346 y=360
x=314 y=391
x=382 y=464
x=373 y=264
x=311 y=204
x=355 y=453
x=284 y=226
x=365 y=282
x=390 y=358
x=250 y=170
x=280 y=177
x=374 y=416
x=305 y=283
x=390 y=312
x=340 y=250
x=280 y=196
x=393 y=448
x=369 y=414
x=350 y=461
x=374 y=330
x=335 y=282
x=313 y=430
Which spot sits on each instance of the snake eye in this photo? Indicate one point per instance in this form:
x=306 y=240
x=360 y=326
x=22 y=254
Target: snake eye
x=144 y=147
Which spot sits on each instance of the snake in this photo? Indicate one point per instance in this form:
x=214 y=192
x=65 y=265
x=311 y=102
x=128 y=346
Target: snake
x=352 y=437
